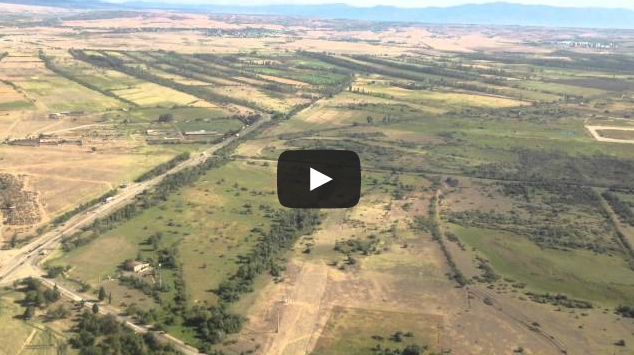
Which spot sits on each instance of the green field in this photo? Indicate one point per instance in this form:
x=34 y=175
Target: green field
x=15 y=105
x=17 y=336
x=576 y=273
x=208 y=223
x=351 y=331
x=59 y=94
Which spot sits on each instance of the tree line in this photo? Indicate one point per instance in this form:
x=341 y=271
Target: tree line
x=101 y=335
x=106 y=61
x=198 y=64
x=145 y=200
x=431 y=225
x=164 y=167
x=559 y=300
x=401 y=73
x=563 y=59
x=620 y=207
x=50 y=65
x=430 y=69
x=67 y=215
x=287 y=227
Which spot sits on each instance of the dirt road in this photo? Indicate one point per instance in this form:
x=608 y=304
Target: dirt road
x=300 y=312
x=594 y=131
x=108 y=310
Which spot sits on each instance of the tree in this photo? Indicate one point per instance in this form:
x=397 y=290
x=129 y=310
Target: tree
x=95 y=308
x=102 y=294
x=397 y=337
x=29 y=312
x=58 y=313
x=155 y=240
x=453 y=182
x=370 y=119
x=54 y=271
x=166 y=118
x=412 y=350
x=351 y=260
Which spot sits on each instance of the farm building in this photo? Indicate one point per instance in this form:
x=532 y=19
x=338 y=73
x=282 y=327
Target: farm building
x=137 y=266
x=201 y=132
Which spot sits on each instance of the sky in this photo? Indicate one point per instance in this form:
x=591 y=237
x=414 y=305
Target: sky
x=410 y=3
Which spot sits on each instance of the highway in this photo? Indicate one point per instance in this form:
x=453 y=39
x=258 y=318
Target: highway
x=26 y=260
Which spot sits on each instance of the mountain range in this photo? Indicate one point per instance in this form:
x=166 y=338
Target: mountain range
x=497 y=13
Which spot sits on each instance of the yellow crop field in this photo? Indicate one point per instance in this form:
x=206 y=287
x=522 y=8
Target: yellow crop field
x=150 y=94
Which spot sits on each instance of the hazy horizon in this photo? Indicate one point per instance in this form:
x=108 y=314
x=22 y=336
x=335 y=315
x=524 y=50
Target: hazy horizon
x=400 y=3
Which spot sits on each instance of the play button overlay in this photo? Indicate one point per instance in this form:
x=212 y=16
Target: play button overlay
x=318 y=179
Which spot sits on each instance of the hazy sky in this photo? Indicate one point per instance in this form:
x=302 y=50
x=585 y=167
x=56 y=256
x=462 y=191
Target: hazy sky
x=410 y=3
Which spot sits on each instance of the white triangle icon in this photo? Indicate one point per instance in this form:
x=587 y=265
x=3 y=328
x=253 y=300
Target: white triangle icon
x=317 y=179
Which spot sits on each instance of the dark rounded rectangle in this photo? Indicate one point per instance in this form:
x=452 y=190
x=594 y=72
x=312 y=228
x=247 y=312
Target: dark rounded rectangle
x=293 y=179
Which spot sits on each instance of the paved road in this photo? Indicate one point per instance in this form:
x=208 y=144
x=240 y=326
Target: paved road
x=26 y=260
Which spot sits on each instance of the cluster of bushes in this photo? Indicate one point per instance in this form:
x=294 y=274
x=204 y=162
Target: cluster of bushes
x=398 y=337
x=36 y=296
x=488 y=274
x=408 y=350
x=625 y=311
x=356 y=245
x=139 y=284
x=559 y=300
x=212 y=323
x=97 y=335
x=54 y=271
x=400 y=191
